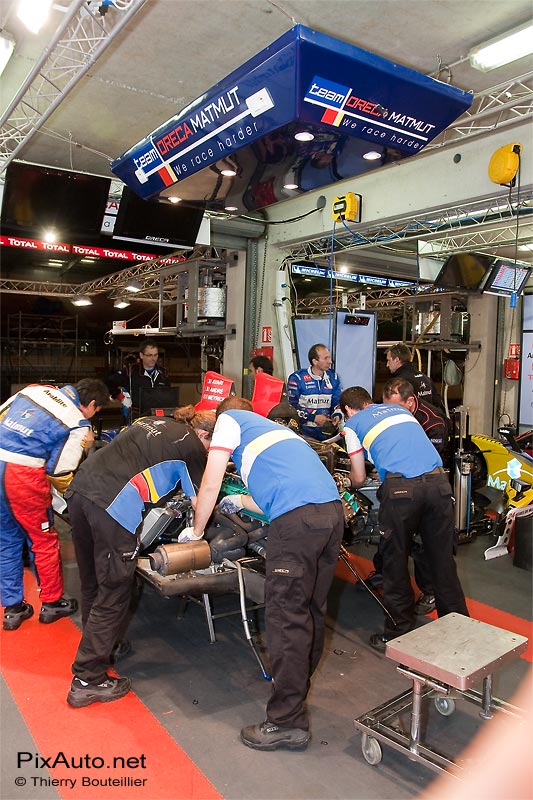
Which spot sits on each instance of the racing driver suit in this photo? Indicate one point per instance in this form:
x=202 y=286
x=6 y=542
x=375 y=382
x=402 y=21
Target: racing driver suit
x=311 y=395
x=42 y=436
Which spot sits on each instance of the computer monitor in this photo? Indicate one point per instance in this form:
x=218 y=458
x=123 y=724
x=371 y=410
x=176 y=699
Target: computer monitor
x=507 y=278
x=159 y=398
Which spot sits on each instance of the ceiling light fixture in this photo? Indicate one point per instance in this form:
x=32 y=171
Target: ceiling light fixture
x=133 y=286
x=121 y=302
x=7 y=46
x=174 y=199
x=82 y=300
x=304 y=136
x=290 y=185
x=503 y=49
x=228 y=172
x=50 y=236
x=33 y=13
x=231 y=208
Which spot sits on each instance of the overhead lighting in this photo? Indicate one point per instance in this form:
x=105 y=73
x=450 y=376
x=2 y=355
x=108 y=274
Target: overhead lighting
x=372 y=155
x=174 y=199
x=290 y=185
x=228 y=172
x=82 y=300
x=503 y=49
x=34 y=13
x=7 y=45
x=304 y=136
x=121 y=303
x=231 y=208
x=50 y=236
x=133 y=286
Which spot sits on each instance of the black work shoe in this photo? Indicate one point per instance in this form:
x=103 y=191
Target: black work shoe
x=15 y=615
x=83 y=694
x=60 y=608
x=269 y=736
x=379 y=641
x=425 y=604
x=121 y=649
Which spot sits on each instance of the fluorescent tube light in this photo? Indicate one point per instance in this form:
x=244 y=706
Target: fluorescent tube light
x=7 y=46
x=503 y=49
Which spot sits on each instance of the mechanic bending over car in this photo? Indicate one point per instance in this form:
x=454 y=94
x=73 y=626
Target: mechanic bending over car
x=289 y=485
x=106 y=501
x=415 y=495
x=401 y=392
x=44 y=432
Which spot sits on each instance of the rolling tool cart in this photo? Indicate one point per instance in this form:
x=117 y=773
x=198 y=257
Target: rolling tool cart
x=444 y=660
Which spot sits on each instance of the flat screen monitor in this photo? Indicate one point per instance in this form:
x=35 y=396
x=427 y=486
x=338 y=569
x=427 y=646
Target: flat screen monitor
x=507 y=278
x=159 y=397
x=161 y=224
x=465 y=271
x=38 y=199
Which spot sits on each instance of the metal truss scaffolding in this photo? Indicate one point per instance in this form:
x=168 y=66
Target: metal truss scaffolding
x=78 y=42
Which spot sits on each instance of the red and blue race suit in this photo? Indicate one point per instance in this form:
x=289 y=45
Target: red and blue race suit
x=311 y=395
x=42 y=432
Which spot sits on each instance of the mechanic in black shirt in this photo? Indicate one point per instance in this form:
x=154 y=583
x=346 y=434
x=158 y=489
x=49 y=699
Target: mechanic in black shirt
x=400 y=364
x=107 y=501
x=133 y=383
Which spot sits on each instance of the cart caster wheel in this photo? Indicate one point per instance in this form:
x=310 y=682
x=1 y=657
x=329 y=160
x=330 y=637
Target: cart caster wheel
x=444 y=705
x=371 y=750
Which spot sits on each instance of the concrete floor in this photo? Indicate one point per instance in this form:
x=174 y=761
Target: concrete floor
x=203 y=693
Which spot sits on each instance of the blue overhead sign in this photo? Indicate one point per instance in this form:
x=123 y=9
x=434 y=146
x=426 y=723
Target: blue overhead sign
x=304 y=76
x=371 y=280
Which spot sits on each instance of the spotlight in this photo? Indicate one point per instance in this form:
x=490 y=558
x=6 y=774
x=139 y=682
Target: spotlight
x=133 y=286
x=121 y=302
x=304 y=136
x=82 y=300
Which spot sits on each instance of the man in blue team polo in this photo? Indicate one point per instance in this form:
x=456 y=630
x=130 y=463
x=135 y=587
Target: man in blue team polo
x=415 y=495
x=289 y=485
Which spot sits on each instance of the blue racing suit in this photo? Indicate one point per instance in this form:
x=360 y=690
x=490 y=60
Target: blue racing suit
x=42 y=433
x=311 y=395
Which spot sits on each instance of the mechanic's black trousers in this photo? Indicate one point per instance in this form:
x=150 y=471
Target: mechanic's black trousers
x=422 y=504
x=106 y=582
x=302 y=552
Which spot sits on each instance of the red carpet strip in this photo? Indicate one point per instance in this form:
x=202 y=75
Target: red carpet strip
x=35 y=662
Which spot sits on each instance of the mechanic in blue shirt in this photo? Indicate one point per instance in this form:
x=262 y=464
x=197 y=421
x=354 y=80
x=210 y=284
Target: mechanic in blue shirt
x=289 y=485
x=314 y=392
x=415 y=495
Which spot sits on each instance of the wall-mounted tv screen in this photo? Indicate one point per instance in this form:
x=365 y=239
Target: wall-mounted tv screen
x=464 y=271
x=507 y=278
x=156 y=223
x=38 y=199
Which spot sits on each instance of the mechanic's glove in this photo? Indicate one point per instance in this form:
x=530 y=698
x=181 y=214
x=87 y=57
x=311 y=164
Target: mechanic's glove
x=231 y=504
x=125 y=399
x=226 y=544
x=337 y=418
x=60 y=482
x=188 y=535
